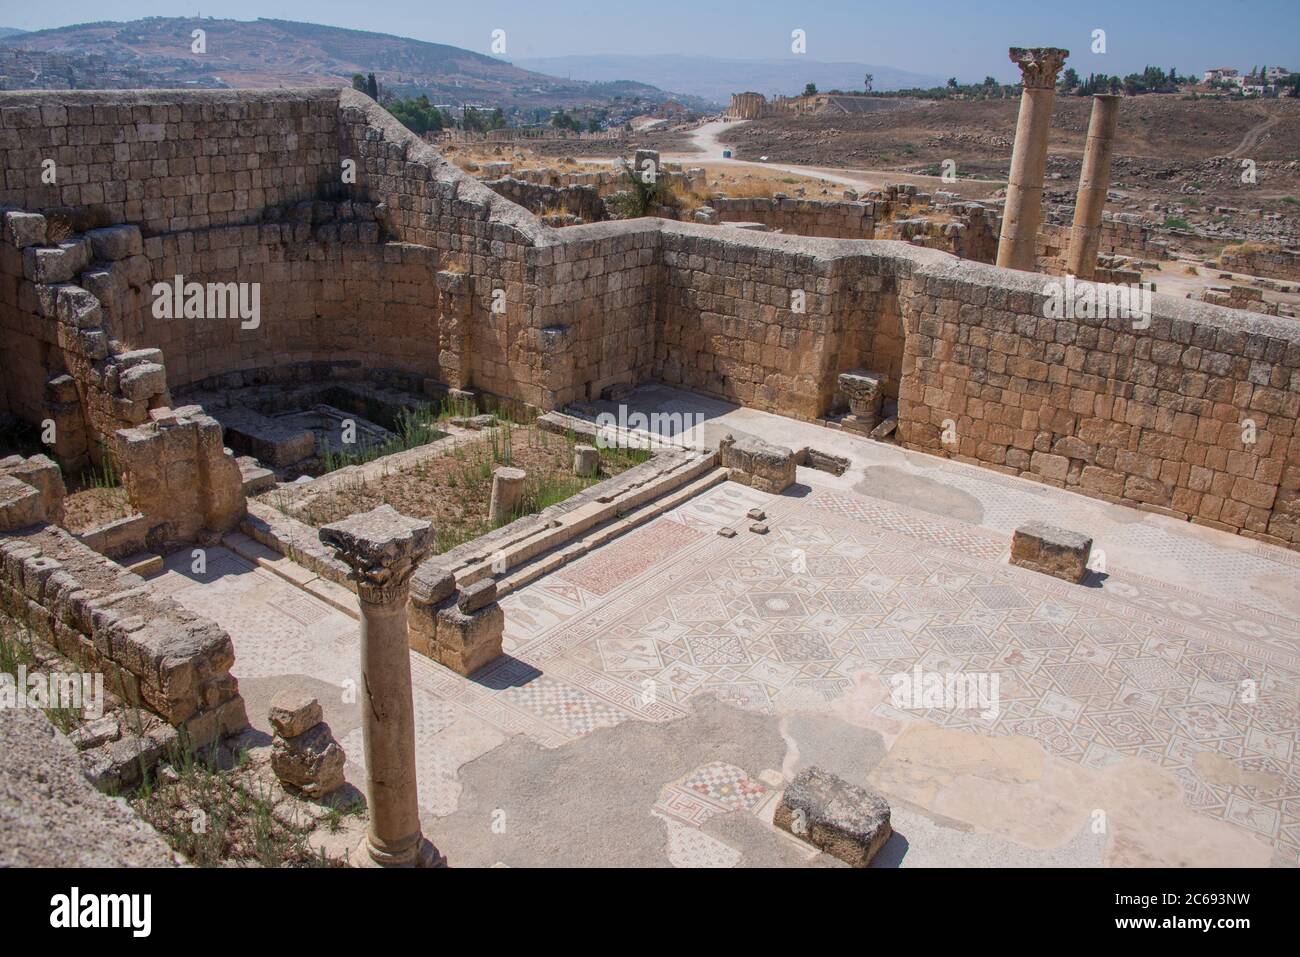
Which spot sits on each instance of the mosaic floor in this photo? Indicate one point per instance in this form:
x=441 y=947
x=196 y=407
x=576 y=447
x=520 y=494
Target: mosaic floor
x=844 y=592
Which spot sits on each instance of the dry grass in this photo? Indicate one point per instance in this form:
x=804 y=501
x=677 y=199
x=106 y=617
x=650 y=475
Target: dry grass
x=453 y=490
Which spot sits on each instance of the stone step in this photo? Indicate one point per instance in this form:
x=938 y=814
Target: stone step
x=604 y=533
x=143 y=564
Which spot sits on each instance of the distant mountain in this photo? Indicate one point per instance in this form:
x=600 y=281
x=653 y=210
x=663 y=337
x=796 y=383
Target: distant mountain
x=716 y=78
x=10 y=32
x=283 y=53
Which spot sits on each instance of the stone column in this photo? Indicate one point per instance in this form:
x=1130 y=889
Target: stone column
x=1094 y=182
x=1023 y=212
x=382 y=547
x=507 y=489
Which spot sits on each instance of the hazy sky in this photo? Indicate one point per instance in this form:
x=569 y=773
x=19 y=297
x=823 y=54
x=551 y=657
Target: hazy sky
x=965 y=38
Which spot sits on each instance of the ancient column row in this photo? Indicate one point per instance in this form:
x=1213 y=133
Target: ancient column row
x=1023 y=214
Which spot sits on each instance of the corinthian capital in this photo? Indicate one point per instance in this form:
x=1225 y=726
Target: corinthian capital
x=1039 y=65
x=381 y=547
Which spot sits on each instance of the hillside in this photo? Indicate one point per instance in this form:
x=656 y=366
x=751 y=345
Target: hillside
x=282 y=53
x=716 y=78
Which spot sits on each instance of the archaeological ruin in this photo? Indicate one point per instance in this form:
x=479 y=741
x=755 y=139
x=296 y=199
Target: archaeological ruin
x=213 y=285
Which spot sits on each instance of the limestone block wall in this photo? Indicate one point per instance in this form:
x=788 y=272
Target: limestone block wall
x=432 y=203
x=728 y=326
x=151 y=651
x=594 y=324
x=1193 y=416
x=1262 y=261
x=581 y=201
x=165 y=161
x=801 y=217
x=459 y=284
x=1117 y=238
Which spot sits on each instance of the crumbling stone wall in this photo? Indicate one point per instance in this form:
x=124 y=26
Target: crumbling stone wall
x=581 y=201
x=466 y=286
x=802 y=217
x=152 y=651
x=1258 y=260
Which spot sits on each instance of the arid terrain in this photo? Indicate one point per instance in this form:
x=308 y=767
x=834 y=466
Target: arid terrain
x=1163 y=143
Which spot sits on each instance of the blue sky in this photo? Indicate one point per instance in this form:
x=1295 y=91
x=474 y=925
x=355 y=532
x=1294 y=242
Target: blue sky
x=965 y=38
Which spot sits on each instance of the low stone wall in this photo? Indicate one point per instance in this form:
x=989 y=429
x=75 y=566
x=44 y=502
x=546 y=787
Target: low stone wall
x=581 y=201
x=802 y=217
x=1262 y=261
x=98 y=614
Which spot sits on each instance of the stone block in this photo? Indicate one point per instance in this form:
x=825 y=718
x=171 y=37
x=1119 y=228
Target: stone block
x=294 y=711
x=310 y=763
x=586 y=460
x=476 y=596
x=115 y=242
x=20 y=504
x=466 y=642
x=841 y=819
x=1053 y=551
x=24 y=229
x=769 y=468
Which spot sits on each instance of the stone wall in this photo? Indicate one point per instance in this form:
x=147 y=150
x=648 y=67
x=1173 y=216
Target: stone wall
x=581 y=201
x=164 y=161
x=151 y=650
x=802 y=217
x=1193 y=416
x=461 y=285
x=1262 y=261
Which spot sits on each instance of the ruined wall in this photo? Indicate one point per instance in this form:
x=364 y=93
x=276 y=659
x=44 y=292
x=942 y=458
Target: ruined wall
x=1118 y=237
x=802 y=217
x=728 y=327
x=598 y=295
x=460 y=284
x=151 y=650
x=431 y=203
x=538 y=198
x=1154 y=416
x=1262 y=261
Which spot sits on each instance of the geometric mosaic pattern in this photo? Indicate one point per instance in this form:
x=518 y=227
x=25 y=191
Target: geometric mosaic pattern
x=1133 y=668
x=835 y=591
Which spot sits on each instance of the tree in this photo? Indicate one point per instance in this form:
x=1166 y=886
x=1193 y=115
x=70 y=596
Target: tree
x=358 y=82
x=1069 y=79
x=867 y=81
x=952 y=83
x=372 y=86
x=810 y=89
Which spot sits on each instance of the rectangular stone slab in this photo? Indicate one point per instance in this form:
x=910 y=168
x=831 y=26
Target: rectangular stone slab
x=1050 y=550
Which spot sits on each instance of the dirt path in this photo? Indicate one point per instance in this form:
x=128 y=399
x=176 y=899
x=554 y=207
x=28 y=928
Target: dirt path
x=708 y=149
x=1254 y=134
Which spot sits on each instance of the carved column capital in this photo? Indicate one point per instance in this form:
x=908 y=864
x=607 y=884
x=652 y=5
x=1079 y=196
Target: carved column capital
x=381 y=548
x=1039 y=66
